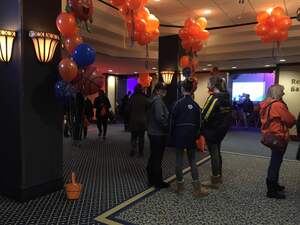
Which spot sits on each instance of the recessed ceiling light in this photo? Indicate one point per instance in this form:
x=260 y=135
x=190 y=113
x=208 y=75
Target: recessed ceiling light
x=269 y=10
x=209 y=64
x=156 y=0
x=267 y=65
x=110 y=71
x=154 y=68
x=135 y=72
x=282 y=60
x=204 y=69
x=234 y=67
x=207 y=11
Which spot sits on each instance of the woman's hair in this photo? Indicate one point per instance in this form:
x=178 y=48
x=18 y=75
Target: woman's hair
x=159 y=86
x=188 y=85
x=218 y=83
x=275 y=91
x=138 y=89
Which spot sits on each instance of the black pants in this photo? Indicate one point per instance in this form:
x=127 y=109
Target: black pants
x=275 y=164
x=102 y=122
x=154 y=170
x=138 y=137
x=216 y=158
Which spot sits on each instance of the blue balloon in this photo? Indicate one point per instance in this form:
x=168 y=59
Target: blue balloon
x=186 y=72
x=64 y=91
x=84 y=55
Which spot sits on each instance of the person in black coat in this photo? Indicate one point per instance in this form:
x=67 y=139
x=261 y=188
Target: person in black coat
x=79 y=116
x=185 y=126
x=124 y=110
x=158 y=129
x=88 y=115
x=102 y=106
x=137 y=111
x=217 y=119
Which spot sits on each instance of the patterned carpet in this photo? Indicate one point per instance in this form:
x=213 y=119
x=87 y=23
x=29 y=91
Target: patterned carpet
x=108 y=174
x=240 y=201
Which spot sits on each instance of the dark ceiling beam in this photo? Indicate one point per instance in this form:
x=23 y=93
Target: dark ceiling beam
x=209 y=28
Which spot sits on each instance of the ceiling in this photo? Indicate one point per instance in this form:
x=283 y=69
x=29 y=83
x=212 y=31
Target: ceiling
x=226 y=48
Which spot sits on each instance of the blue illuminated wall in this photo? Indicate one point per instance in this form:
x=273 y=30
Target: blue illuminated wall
x=131 y=83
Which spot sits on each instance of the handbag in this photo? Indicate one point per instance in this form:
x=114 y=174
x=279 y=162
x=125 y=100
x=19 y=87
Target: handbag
x=270 y=139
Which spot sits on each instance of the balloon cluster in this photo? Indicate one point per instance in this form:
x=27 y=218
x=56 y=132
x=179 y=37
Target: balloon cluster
x=145 y=80
x=64 y=91
x=193 y=33
x=142 y=26
x=273 y=26
x=81 y=55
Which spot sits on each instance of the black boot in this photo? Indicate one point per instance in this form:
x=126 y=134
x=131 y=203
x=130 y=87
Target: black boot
x=280 y=187
x=273 y=190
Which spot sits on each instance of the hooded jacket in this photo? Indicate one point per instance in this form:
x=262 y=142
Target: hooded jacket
x=280 y=117
x=158 y=117
x=185 y=123
x=216 y=117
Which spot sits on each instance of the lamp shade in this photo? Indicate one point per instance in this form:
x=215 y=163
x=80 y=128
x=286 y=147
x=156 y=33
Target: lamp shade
x=167 y=76
x=6 y=44
x=44 y=45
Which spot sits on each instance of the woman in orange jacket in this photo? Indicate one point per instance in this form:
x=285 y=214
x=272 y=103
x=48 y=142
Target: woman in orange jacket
x=276 y=119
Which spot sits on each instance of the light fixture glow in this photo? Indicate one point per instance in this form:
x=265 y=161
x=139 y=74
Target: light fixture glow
x=157 y=0
x=154 y=68
x=269 y=10
x=207 y=11
x=167 y=76
x=136 y=72
x=267 y=65
x=109 y=71
x=234 y=67
x=6 y=44
x=44 y=45
x=282 y=60
x=209 y=64
x=204 y=69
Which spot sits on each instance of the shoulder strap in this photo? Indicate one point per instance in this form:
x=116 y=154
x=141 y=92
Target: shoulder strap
x=268 y=107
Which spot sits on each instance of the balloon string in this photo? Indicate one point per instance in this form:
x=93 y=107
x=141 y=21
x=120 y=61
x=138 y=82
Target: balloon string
x=124 y=35
x=147 y=57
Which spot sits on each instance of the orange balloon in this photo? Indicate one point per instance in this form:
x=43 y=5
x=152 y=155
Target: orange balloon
x=140 y=25
x=143 y=38
x=186 y=44
x=154 y=35
x=72 y=42
x=204 y=35
x=183 y=33
x=274 y=33
x=143 y=13
x=67 y=69
x=134 y=4
x=66 y=24
x=144 y=80
x=262 y=17
x=197 y=46
x=283 y=35
x=184 y=61
x=202 y=22
x=261 y=29
x=266 y=39
x=118 y=2
x=125 y=12
x=189 y=22
x=194 y=63
x=278 y=11
x=272 y=20
x=152 y=23
x=284 y=23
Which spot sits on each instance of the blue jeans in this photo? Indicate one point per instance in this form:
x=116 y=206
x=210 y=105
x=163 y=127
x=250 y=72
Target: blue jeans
x=192 y=162
x=275 y=164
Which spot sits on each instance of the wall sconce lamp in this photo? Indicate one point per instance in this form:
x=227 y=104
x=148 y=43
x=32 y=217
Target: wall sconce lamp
x=167 y=76
x=6 y=44
x=44 y=45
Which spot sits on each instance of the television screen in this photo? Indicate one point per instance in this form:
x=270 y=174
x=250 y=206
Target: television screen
x=256 y=90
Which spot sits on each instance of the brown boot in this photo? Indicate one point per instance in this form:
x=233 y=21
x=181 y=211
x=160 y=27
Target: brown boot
x=214 y=183
x=180 y=187
x=199 y=191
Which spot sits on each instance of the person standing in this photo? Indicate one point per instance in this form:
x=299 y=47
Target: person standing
x=79 y=117
x=102 y=106
x=248 y=109
x=276 y=119
x=88 y=115
x=217 y=119
x=137 y=112
x=158 y=127
x=124 y=110
x=185 y=125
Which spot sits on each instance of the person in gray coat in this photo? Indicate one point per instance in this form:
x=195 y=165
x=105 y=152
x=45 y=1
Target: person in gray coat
x=158 y=128
x=137 y=110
